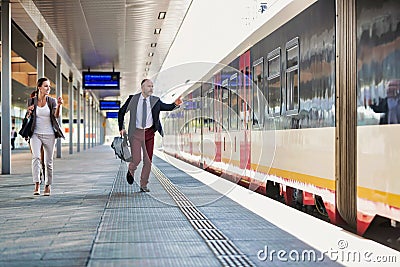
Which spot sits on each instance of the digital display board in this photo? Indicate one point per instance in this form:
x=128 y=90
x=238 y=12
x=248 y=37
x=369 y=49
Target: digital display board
x=112 y=115
x=109 y=105
x=100 y=80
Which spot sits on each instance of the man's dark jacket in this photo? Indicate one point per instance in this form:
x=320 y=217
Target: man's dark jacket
x=131 y=105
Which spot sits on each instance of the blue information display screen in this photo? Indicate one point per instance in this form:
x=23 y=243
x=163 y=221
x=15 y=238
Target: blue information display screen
x=112 y=115
x=109 y=105
x=101 y=80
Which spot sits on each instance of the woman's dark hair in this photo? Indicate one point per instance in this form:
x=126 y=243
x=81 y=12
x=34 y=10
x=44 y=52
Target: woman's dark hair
x=143 y=81
x=40 y=83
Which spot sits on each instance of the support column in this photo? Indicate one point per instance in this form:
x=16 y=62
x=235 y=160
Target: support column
x=84 y=120
x=40 y=55
x=93 y=122
x=90 y=103
x=96 y=141
x=71 y=113
x=78 y=118
x=58 y=93
x=5 y=87
x=102 y=129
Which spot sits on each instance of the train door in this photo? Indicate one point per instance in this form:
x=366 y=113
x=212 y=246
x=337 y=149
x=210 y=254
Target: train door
x=218 y=116
x=245 y=109
x=189 y=121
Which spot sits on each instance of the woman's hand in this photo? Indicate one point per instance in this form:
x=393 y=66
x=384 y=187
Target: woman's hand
x=60 y=101
x=30 y=110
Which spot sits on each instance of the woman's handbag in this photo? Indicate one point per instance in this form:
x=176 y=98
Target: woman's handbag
x=26 y=129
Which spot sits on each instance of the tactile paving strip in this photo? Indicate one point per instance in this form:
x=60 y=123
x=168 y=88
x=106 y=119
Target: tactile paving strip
x=225 y=250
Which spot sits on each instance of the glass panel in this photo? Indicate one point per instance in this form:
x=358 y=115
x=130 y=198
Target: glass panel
x=292 y=57
x=274 y=96
x=274 y=66
x=258 y=103
x=225 y=108
x=233 y=87
x=210 y=101
x=292 y=90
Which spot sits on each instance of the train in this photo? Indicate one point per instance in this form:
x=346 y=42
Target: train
x=308 y=112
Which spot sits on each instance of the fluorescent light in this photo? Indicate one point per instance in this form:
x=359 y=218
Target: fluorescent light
x=157 y=30
x=151 y=54
x=148 y=63
x=153 y=44
x=161 y=15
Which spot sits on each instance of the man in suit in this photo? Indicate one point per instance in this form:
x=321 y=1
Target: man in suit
x=144 y=121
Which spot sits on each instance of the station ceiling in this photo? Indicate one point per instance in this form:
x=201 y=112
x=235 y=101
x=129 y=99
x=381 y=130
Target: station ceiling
x=104 y=35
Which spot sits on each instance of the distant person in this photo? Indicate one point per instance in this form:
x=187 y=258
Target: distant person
x=144 y=121
x=389 y=106
x=46 y=129
x=393 y=99
x=13 y=136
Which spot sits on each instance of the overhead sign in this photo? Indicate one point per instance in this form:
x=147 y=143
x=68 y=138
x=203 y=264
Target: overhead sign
x=109 y=105
x=112 y=115
x=101 y=80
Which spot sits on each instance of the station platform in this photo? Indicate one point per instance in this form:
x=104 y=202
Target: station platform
x=189 y=218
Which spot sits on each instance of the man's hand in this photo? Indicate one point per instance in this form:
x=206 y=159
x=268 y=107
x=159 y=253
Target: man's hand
x=178 y=101
x=122 y=132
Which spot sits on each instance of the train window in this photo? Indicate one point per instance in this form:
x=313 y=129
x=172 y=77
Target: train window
x=274 y=65
x=258 y=86
x=234 y=101
x=217 y=107
x=225 y=104
x=292 y=76
x=274 y=96
x=210 y=104
x=248 y=96
x=196 y=110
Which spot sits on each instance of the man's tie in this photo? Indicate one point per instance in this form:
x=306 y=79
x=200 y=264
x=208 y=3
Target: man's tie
x=144 y=113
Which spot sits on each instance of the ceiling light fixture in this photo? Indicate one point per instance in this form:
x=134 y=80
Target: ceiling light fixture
x=148 y=63
x=161 y=15
x=146 y=69
x=157 y=30
x=151 y=54
x=153 y=44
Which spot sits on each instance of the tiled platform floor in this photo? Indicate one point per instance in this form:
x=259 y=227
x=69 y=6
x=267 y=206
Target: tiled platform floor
x=94 y=218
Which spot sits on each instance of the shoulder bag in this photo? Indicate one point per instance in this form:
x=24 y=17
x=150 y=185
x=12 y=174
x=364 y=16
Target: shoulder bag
x=26 y=129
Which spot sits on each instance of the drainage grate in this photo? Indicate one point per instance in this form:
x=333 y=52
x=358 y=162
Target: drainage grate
x=227 y=253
